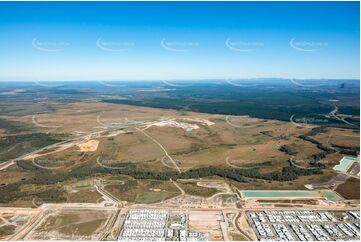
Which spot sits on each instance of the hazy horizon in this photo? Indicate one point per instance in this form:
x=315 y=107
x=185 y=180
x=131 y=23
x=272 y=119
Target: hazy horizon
x=195 y=80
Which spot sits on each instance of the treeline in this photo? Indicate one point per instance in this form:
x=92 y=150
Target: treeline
x=241 y=175
x=347 y=150
x=289 y=150
x=325 y=150
x=354 y=151
x=45 y=177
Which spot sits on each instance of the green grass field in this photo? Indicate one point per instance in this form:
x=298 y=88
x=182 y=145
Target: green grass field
x=153 y=197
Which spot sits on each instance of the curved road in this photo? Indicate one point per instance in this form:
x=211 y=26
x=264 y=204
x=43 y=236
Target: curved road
x=333 y=114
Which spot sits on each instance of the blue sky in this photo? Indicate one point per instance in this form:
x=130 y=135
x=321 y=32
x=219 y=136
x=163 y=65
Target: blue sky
x=178 y=40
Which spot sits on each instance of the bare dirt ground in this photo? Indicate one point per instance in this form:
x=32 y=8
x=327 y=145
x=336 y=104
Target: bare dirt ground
x=350 y=189
x=207 y=222
x=89 y=146
x=14 y=220
x=98 y=221
x=71 y=225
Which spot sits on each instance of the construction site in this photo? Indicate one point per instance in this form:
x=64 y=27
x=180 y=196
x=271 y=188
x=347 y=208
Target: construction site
x=184 y=218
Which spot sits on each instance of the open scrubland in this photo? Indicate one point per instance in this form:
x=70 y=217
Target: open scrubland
x=69 y=143
x=79 y=162
x=112 y=139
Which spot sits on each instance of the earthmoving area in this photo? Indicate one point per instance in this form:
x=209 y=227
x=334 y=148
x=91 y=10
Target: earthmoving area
x=60 y=221
x=89 y=221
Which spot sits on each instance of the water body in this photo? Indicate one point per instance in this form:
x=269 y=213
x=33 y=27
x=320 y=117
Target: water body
x=345 y=164
x=276 y=193
x=329 y=195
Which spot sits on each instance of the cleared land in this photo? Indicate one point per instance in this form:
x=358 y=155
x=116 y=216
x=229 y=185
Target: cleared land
x=207 y=222
x=350 y=189
x=245 y=145
x=71 y=225
x=106 y=139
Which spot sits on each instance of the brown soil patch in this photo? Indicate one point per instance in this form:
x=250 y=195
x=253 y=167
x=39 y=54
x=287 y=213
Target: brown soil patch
x=350 y=189
x=89 y=146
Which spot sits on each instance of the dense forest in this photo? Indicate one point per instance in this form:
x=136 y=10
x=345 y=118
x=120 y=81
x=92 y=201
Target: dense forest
x=278 y=100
